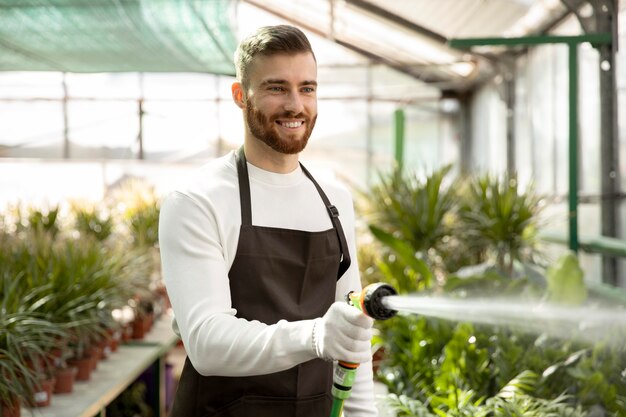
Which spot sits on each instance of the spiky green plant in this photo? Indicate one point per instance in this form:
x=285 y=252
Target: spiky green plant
x=412 y=208
x=25 y=337
x=90 y=222
x=499 y=217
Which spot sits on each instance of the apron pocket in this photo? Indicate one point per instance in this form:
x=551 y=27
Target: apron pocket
x=258 y=406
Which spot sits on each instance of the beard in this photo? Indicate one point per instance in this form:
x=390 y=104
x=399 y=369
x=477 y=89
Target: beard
x=264 y=128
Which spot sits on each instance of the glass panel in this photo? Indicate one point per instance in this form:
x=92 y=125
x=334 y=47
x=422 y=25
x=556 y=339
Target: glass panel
x=180 y=86
x=32 y=129
x=589 y=120
x=103 y=129
x=339 y=139
x=422 y=138
x=31 y=84
x=180 y=131
x=488 y=130
x=104 y=85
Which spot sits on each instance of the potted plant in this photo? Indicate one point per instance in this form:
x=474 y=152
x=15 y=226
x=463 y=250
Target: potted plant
x=90 y=220
x=497 y=215
x=24 y=339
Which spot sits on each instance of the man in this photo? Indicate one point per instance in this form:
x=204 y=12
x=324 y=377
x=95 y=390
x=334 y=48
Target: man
x=256 y=261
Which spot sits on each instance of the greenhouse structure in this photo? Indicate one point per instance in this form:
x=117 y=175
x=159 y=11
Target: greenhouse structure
x=476 y=154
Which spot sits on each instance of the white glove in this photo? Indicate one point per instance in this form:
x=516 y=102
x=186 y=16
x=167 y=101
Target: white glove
x=344 y=333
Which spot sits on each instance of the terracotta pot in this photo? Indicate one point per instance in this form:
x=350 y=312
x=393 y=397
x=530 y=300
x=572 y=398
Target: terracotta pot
x=37 y=364
x=149 y=321
x=115 y=335
x=54 y=358
x=105 y=349
x=83 y=367
x=65 y=380
x=114 y=345
x=10 y=410
x=94 y=353
x=43 y=392
x=127 y=332
x=140 y=327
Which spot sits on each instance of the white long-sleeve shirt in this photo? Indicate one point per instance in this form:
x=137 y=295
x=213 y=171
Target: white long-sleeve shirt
x=198 y=236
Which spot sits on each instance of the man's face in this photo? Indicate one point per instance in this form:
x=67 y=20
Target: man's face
x=281 y=104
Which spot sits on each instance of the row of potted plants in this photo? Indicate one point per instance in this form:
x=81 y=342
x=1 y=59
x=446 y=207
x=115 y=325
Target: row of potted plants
x=71 y=281
x=476 y=237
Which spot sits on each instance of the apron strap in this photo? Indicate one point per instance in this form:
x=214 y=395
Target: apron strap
x=246 y=208
x=244 y=188
x=334 y=218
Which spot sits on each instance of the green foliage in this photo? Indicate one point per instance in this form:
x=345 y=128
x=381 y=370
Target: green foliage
x=25 y=337
x=497 y=217
x=144 y=224
x=414 y=274
x=91 y=223
x=565 y=281
x=413 y=210
x=61 y=280
x=486 y=235
x=44 y=220
x=439 y=368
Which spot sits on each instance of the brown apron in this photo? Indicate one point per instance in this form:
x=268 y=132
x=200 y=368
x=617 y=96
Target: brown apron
x=277 y=274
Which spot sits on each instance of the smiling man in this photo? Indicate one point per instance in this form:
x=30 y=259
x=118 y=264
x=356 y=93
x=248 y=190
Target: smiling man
x=257 y=257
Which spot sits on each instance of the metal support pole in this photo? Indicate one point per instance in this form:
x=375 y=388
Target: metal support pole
x=369 y=140
x=399 y=136
x=573 y=146
x=606 y=21
x=140 y=132
x=465 y=123
x=509 y=85
x=609 y=154
x=140 y=114
x=66 y=127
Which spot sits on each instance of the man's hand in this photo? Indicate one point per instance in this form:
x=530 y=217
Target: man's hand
x=344 y=333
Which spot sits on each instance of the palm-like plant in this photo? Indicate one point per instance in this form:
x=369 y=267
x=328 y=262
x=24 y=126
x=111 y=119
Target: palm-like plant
x=416 y=210
x=25 y=337
x=89 y=221
x=81 y=289
x=411 y=217
x=498 y=217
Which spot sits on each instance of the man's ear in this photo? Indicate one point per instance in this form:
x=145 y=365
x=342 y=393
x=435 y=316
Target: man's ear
x=237 y=91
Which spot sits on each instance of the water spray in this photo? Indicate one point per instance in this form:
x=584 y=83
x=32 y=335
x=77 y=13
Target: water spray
x=371 y=302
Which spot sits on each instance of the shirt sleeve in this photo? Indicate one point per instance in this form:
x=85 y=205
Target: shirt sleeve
x=196 y=277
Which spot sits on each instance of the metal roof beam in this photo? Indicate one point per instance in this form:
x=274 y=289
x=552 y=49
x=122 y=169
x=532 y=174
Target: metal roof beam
x=405 y=69
x=399 y=20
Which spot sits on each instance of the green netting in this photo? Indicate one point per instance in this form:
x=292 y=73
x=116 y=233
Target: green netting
x=117 y=36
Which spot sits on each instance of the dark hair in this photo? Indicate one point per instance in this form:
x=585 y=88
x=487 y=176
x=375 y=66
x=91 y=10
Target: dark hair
x=269 y=40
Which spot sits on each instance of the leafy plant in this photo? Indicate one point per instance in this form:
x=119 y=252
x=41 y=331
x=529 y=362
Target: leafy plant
x=419 y=212
x=498 y=217
x=91 y=222
x=44 y=220
x=144 y=225
x=410 y=273
x=25 y=338
x=439 y=368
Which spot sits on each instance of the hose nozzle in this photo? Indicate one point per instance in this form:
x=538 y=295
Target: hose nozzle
x=369 y=300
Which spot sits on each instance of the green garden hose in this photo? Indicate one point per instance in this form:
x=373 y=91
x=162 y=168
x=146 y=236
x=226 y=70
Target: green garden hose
x=369 y=301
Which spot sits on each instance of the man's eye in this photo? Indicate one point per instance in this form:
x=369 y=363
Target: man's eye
x=276 y=89
x=308 y=89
